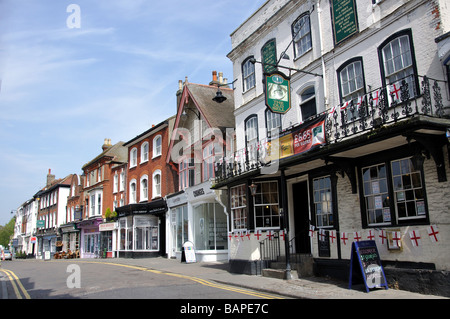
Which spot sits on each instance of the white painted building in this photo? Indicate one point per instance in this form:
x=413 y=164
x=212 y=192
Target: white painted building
x=362 y=152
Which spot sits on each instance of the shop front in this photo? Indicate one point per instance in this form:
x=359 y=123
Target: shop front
x=90 y=238
x=141 y=231
x=208 y=222
x=70 y=235
x=108 y=235
x=178 y=226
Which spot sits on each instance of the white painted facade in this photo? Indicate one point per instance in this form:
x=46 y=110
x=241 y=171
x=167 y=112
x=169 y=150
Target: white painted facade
x=423 y=22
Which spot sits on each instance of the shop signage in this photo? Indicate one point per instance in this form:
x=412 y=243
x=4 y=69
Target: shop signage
x=40 y=223
x=33 y=240
x=365 y=263
x=107 y=226
x=176 y=200
x=278 y=92
x=307 y=137
x=188 y=253
x=345 y=21
x=269 y=56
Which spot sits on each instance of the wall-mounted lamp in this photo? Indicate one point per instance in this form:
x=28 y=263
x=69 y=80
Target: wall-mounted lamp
x=253 y=187
x=184 y=114
x=220 y=98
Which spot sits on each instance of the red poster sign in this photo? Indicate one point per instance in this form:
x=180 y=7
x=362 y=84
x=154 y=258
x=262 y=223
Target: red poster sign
x=310 y=135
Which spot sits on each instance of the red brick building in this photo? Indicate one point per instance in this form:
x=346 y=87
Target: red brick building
x=98 y=197
x=141 y=223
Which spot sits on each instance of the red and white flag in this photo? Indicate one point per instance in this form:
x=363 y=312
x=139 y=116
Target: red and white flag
x=344 y=237
x=382 y=236
x=433 y=233
x=415 y=238
x=332 y=236
x=311 y=231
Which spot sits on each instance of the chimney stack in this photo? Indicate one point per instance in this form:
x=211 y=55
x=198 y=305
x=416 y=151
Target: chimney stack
x=214 y=81
x=50 y=177
x=106 y=144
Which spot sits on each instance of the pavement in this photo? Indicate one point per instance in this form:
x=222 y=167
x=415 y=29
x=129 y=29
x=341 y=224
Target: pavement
x=304 y=288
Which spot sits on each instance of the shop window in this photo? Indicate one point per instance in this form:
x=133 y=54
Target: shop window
x=182 y=224
x=146 y=233
x=323 y=202
x=266 y=205
x=409 y=194
x=376 y=195
x=239 y=207
x=394 y=193
x=210 y=227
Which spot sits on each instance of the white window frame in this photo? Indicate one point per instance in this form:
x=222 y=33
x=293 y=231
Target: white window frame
x=133 y=157
x=266 y=205
x=116 y=183
x=248 y=74
x=156 y=188
x=133 y=197
x=301 y=33
x=143 y=190
x=238 y=203
x=144 y=152
x=157 y=146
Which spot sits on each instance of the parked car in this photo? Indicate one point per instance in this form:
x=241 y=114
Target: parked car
x=7 y=255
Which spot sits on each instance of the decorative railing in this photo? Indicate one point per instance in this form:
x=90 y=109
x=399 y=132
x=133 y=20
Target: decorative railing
x=270 y=249
x=380 y=107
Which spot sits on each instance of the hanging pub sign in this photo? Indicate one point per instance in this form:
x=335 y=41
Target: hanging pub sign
x=365 y=263
x=278 y=92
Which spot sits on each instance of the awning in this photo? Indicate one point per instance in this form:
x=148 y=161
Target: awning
x=155 y=207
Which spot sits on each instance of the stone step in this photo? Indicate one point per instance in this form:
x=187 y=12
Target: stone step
x=278 y=273
x=303 y=265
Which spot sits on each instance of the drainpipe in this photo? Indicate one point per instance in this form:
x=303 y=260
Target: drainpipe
x=285 y=215
x=324 y=82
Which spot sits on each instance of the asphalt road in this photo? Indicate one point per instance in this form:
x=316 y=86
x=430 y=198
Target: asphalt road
x=76 y=279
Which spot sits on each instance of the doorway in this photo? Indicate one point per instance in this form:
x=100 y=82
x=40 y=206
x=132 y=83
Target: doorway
x=301 y=217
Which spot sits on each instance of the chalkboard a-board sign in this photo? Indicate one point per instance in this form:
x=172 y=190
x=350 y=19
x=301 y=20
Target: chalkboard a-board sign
x=365 y=261
x=188 y=253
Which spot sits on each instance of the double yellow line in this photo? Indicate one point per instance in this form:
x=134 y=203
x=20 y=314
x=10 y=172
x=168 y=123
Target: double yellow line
x=198 y=280
x=15 y=282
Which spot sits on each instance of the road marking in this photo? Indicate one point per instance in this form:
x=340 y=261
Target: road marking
x=198 y=280
x=16 y=281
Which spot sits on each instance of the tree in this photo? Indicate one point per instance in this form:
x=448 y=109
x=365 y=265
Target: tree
x=6 y=232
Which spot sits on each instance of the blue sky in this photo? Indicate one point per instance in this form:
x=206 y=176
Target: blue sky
x=64 y=90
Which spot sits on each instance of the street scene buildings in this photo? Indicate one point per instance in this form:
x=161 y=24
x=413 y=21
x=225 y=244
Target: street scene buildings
x=334 y=130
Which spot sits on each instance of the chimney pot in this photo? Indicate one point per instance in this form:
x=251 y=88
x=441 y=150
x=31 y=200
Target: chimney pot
x=220 y=77
x=214 y=74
